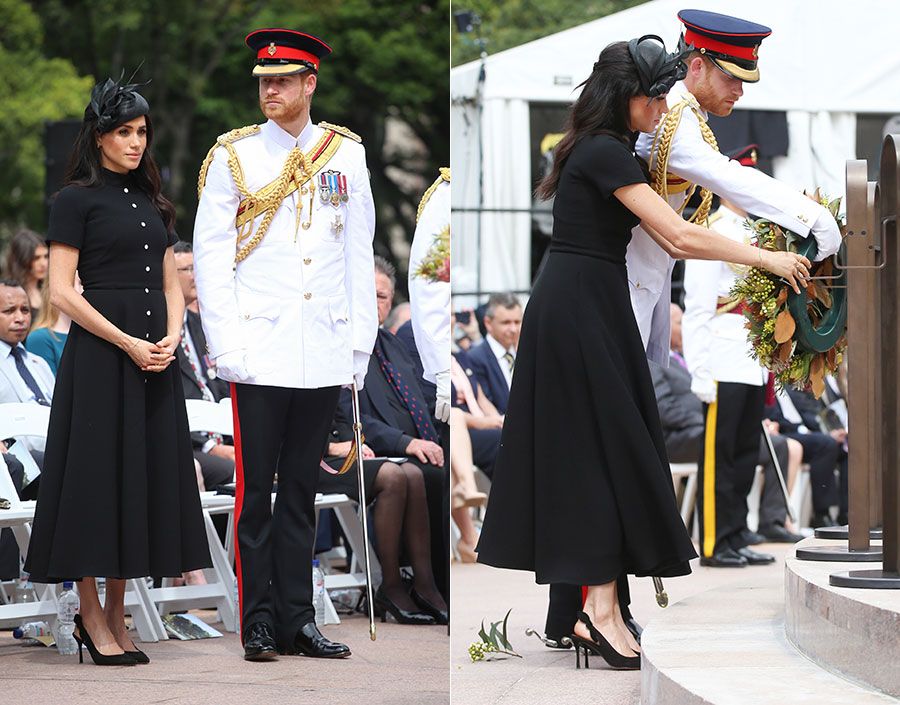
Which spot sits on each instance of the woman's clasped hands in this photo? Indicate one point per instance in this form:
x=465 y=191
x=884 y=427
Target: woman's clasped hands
x=153 y=357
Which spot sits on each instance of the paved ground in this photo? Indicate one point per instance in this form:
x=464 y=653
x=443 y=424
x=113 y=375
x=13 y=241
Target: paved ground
x=405 y=666
x=547 y=675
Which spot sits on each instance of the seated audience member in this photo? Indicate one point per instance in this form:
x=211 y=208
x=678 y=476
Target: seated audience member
x=27 y=263
x=681 y=414
x=395 y=415
x=398 y=316
x=24 y=377
x=494 y=358
x=400 y=518
x=823 y=452
x=214 y=453
x=9 y=548
x=406 y=336
x=50 y=330
x=466 y=332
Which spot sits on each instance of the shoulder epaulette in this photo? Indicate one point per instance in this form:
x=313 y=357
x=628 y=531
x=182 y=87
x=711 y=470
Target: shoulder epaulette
x=237 y=134
x=226 y=139
x=341 y=130
x=444 y=177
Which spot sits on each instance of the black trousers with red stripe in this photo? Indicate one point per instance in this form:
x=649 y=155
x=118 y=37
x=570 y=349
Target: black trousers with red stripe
x=727 y=464
x=283 y=430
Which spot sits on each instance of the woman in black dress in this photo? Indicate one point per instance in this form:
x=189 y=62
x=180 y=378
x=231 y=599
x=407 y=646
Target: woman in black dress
x=400 y=521
x=118 y=495
x=582 y=491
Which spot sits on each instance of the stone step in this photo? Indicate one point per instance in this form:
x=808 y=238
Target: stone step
x=728 y=647
x=850 y=631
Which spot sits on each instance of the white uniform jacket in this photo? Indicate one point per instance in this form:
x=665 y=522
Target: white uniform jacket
x=430 y=300
x=303 y=300
x=692 y=159
x=715 y=345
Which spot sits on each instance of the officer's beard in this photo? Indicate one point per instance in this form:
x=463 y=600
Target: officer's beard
x=287 y=112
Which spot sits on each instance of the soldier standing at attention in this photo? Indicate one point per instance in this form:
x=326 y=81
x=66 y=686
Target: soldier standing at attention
x=286 y=284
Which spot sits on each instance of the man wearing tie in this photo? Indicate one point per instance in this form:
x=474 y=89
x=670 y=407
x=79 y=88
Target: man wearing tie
x=494 y=358
x=24 y=377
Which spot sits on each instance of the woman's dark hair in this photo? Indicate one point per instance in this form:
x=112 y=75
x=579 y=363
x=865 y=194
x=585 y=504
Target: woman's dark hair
x=84 y=168
x=602 y=108
x=20 y=255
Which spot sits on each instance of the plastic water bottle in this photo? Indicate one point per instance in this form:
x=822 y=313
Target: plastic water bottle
x=31 y=630
x=318 y=578
x=24 y=590
x=68 y=606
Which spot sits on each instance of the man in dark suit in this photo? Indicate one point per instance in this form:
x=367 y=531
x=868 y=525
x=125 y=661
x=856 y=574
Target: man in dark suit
x=796 y=414
x=494 y=358
x=213 y=452
x=396 y=420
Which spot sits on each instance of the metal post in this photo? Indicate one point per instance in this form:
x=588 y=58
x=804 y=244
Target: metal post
x=862 y=374
x=888 y=576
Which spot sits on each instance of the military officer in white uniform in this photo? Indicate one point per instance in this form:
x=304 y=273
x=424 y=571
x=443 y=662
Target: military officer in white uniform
x=719 y=357
x=683 y=157
x=430 y=299
x=285 y=279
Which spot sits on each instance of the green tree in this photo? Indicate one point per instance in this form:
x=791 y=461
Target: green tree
x=33 y=89
x=388 y=75
x=509 y=23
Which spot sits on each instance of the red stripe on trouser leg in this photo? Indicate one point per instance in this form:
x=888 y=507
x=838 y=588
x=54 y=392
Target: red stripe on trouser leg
x=238 y=504
x=584 y=589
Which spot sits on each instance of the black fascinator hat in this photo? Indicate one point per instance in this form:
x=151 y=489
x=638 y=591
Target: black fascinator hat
x=658 y=70
x=113 y=104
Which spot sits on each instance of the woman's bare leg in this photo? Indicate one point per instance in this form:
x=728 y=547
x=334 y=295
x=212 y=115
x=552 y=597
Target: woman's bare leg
x=94 y=619
x=114 y=611
x=602 y=608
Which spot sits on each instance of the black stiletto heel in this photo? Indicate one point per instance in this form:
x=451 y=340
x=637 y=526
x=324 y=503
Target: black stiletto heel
x=597 y=644
x=385 y=605
x=440 y=616
x=83 y=638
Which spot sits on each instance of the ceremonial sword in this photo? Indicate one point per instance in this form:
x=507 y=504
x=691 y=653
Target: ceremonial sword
x=357 y=434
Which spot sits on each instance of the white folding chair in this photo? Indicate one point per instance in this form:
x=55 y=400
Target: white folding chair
x=208 y=417
x=20 y=420
x=688 y=496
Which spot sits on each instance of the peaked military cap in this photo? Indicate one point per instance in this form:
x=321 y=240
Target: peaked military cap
x=745 y=156
x=283 y=52
x=731 y=43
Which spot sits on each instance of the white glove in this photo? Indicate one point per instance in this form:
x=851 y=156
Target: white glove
x=827 y=234
x=442 y=400
x=360 y=367
x=704 y=388
x=232 y=366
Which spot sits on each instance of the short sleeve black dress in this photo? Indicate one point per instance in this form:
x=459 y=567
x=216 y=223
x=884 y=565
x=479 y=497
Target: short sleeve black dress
x=118 y=494
x=582 y=492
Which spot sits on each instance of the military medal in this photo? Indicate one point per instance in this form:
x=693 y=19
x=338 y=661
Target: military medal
x=337 y=225
x=323 y=187
x=342 y=188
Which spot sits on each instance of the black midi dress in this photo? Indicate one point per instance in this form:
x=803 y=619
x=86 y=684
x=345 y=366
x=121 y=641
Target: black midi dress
x=118 y=494
x=582 y=492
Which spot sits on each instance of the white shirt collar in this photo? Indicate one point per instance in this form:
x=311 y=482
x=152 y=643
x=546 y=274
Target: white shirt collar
x=498 y=350
x=5 y=349
x=273 y=131
x=679 y=91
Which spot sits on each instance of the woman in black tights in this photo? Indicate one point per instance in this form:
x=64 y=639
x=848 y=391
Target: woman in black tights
x=400 y=519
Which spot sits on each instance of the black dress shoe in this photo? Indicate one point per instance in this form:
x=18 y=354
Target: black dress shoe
x=776 y=533
x=385 y=606
x=440 y=616
x=751 y=538
x=755 y=557
x=310 y=642
x=726 y=558
x=259 y=644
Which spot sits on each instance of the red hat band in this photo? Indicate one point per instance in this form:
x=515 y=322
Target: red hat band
x=273 y=51
x=703 y=42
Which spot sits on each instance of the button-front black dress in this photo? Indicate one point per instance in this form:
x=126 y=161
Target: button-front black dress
x=582 y=490
x=118 y=494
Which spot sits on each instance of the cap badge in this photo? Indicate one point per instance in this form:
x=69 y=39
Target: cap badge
x=272 y=49
x=756 y=52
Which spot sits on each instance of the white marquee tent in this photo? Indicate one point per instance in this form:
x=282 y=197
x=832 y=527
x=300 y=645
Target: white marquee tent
x=826 y=62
